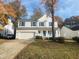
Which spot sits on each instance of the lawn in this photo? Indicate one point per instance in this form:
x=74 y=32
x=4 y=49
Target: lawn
x=49 y=50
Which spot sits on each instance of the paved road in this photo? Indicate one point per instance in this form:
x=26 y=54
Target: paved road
x=11 y=48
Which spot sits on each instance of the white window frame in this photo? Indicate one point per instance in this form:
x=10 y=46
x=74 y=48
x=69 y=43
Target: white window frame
x=50 y=23
x=49 y=33
x=41 y=23
x=32 y=24
x=21 y=23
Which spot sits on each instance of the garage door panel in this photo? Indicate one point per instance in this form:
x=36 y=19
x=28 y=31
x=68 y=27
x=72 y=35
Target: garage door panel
x=25 y=35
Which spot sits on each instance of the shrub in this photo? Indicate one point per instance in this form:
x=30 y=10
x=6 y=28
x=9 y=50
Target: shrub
x=38 y=37
x=59 y=40
x=50 y=38
x=76 y=39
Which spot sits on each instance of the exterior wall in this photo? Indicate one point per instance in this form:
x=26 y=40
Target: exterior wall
x=30 y=34
x=69 y=34
x=45 y=28
x=27 y=24
x=46 y=20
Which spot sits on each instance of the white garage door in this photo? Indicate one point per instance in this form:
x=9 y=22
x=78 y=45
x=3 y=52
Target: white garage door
x=25 y=35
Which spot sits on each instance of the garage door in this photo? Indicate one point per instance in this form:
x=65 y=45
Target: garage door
x=25 y=35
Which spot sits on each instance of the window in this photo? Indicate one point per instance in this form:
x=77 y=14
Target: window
x=22 y=23
x=50 y=23
x=39 y=32
x=44 y=33
x=49 y=33
x=34 y=24
x=41 y=24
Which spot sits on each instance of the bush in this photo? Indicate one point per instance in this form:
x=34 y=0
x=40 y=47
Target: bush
x=76 y=39
x=50 y=38
x=38 y=37
x=59 y=40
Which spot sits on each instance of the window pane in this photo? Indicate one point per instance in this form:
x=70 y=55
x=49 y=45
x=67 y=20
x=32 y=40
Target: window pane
x=50 y=23
x=49 y=33
x=41 y=24
x=22 y=24
x=34 y=23
x=44 y=33
x=39 y=32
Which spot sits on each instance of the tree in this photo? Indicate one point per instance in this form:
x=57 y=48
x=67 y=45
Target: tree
x=50 y=5
x=20 y=9
x=37 y=14
x=20 y=12
x=60 y=21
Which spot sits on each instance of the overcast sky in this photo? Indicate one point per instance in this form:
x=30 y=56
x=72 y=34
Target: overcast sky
x=65 y=8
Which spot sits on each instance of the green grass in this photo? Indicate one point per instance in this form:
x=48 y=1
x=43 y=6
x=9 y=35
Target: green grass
x=49 y=50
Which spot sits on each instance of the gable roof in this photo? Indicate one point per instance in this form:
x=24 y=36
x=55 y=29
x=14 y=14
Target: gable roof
x=43 y=18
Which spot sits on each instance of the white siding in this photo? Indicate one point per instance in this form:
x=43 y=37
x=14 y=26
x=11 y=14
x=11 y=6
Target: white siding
x=69 y=34
x=46 y=20
x=27 y=24
x=25 y=34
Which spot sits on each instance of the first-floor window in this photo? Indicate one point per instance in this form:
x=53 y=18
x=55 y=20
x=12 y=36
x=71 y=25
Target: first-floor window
x=39 y=32
x=44 y=33
x=49 y=32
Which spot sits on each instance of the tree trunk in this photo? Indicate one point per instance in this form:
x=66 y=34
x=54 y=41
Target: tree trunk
x=53 y=30
x=14 y=36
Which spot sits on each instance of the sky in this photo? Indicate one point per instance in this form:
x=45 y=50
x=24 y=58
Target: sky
x=65 y=8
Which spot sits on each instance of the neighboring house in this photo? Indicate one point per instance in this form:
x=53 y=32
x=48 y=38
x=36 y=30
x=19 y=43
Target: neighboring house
x=68 y=33
x=70 y=28
x=8 y=30
x=41 y=27
x=72 y=21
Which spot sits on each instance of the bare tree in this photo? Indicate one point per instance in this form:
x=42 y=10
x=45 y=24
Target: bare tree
x=37 y=14
x=50 y=6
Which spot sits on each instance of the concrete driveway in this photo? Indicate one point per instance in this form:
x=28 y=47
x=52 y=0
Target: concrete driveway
x=9 y=49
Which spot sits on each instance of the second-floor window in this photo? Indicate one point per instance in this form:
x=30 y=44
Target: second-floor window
x=34 y=24
x=22 y=24
x=41 y=24
x=50 y=23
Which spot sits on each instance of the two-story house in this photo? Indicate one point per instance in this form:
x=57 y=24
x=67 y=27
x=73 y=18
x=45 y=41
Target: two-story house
x=41 y=27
